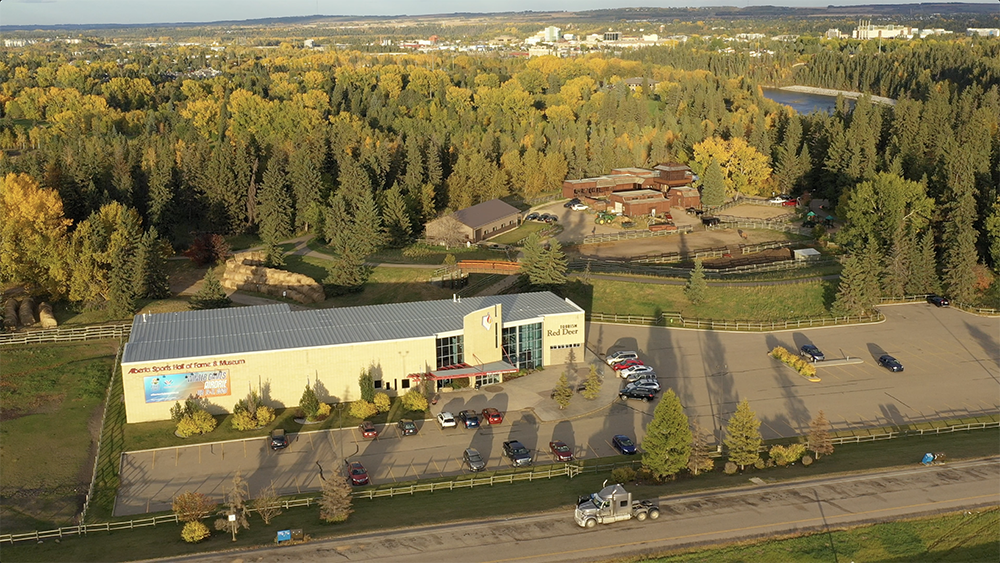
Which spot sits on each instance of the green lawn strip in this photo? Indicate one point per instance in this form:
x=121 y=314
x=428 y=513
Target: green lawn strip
x=49 y=394
x=502 y=500
x=959 y=537
x=517 y=235
x=766 y=303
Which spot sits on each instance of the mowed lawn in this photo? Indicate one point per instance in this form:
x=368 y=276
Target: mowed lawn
x=50 y=397
x=760 y=303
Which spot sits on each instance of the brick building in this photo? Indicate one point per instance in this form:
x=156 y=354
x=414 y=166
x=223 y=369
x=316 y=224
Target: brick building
x=671 y=181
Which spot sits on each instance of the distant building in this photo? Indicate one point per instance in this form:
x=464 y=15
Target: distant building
x=983 y=31
x=833 y=33
x=476 y=223
x=539 y=51
x=670 y=181
x=640 y=82
x=552 y=34
x=308 y=43
x=612 y=36
x=633 y=203
x=866 y=31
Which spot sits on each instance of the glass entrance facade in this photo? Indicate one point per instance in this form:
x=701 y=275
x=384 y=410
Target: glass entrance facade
x=450 y=351
x=522 y=346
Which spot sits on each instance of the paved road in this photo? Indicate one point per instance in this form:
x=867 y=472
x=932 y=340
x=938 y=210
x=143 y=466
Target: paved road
x=686 y=520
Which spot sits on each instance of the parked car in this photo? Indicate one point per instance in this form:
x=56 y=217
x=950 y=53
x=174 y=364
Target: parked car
x=644 y=384
x=357 y=472
x=579 y=207
x=938 y=301
x=627 y=372
x=279 y=440
x=889 y=363
x=694 y=211
x=368 y=429
x=710 y=221
x=623 y=444
x=812 y=353
x=620 y=355
x=446 y=420
x=640 y=376
x=492 y=415
x=780 y=198
x=469 y=418
x=517 y=454
x=473 y=459
x=637 y=393
x=561 y=451
x=625 y=364
x=406 y=427
x=551 y=219
x=571 y=202
x=531 y=216
x=793 y=202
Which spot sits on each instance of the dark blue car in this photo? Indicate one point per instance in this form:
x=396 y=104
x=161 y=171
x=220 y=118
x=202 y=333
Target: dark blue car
x=470 y=418
x=890 y=363
x=623 y=444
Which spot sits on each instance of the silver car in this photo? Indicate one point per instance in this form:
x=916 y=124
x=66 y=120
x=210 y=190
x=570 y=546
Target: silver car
x=641 y=376
x=648 y=384
x=473 y=459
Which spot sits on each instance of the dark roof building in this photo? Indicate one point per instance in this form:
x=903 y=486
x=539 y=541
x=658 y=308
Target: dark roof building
x=473 y=224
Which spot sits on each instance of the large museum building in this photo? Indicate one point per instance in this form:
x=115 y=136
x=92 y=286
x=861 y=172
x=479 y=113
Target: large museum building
x=220 y=355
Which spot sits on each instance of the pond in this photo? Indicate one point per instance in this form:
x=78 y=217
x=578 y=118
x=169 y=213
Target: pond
x=804 y=103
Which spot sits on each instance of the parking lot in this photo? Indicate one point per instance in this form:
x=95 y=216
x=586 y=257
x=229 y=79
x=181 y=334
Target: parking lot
x=951 y=364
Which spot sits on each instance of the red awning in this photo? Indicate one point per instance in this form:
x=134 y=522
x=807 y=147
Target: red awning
x=465 y=370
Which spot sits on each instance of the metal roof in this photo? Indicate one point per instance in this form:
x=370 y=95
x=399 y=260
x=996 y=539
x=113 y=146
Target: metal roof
x=484 y=213
x=216 y=332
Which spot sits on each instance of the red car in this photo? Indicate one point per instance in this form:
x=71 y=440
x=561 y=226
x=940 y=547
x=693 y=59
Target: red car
x=492 y=415
x=627 y=364
x=794 y=202
x=561 y=451
x=368 y=429
x=357 y=472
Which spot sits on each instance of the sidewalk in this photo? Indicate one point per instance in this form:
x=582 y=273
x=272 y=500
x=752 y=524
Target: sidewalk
x=531 y=394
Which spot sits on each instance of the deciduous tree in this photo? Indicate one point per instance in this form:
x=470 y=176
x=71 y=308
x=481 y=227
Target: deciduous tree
x=700 y=460
x=819 y=436
x=33 y=239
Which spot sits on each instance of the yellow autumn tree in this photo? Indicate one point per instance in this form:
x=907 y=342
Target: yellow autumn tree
x=746 y=170
x=33 y=239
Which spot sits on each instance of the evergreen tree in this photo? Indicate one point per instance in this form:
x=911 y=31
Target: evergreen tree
x=858 y=292
x=701 y=459
x=543 y=266
x=150 y=276
x=743 y=439
x=960 y=256
x=307 y=187
x=592 y=386
x=274 y=255
x=274 y=203
x=309 y=402
x=992 y=226
x=395 y=217
x=563 y=393
x=923 y=267
x=696 y=288
x=211 y=295
x=666 y=449
x=335 y=499
x=898 y=271
x=124 y=250
x=367 y=384
x=713 y=185
x=819 y=436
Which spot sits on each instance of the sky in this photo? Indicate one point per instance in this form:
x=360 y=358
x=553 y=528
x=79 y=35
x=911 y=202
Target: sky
x=54 y=12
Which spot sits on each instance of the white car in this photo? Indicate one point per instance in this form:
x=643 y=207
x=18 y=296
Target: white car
x=779 y=199
x=579 y=207
x=621 y=356
x=446 y=420
x=634 y=370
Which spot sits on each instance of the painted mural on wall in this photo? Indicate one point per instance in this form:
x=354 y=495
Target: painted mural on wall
x=182 y=386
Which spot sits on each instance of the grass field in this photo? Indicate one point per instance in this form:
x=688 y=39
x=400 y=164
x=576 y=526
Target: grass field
x=50 y=399
x=763 y=303
x=960 y=537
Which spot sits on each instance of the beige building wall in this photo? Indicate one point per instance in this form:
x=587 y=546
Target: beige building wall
x=561 y=335
x=281 y=375
x=482 y=335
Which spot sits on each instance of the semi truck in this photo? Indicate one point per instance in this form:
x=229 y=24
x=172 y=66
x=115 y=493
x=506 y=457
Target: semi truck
x=612 y=504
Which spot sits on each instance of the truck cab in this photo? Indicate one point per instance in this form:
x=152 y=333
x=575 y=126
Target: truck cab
x=611 y=504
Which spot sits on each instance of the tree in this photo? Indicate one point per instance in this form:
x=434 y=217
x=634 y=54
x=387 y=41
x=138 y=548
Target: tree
x=592 y=386
x=194 y=532
x=33 y=240
x=151 y=280
x=122 y=289
x=211 y=295
x=700 y=459
x=713 y=185
x=563 y=393
x=208 y=248
x=858 y=292
x=266 y=504
x=696 y=288
x=236 y=502
x=923 y=267
x=819 y=436
x=543 y=266
x=666 y=449
x=396 y=218
x=367 y=384
x=745 y=169
x=743 y=439
x=882 y=210
x=309 y=403
x=959 y=239
x=306 y=182
x=382 y=402
x=274 y=203
x=335 y=500
x=415 y=401
x=192 y=506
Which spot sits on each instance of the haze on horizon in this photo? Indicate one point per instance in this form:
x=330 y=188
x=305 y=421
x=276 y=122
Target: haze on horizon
x=98 y=12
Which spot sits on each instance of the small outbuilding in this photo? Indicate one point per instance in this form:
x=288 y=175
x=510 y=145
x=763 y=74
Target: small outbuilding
x=806 y=254
x=639 y=202
x=473 y=224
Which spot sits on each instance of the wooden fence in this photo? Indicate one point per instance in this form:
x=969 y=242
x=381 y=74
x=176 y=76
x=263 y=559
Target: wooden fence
x=488 y=267
x=984 y=311
x=104 y=415
x=631 y=234
x=677 y=321
x=117 y=331
x=769 y=225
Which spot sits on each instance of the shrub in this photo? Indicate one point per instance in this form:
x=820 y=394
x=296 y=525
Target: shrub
x=807 y=461
x=730 y=468
x=194 y=532
x=759 y=464
x=177 y=412
x=382 y=402
x=795 y=362
x=363 y=409
x=784 y=455
x=244 y=421
x=199 y=423
x=323 y=411
x=413 y=400
x=265 y=416
x=623 y=474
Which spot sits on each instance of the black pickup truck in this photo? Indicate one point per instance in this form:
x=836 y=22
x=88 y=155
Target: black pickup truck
x=518 y=455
